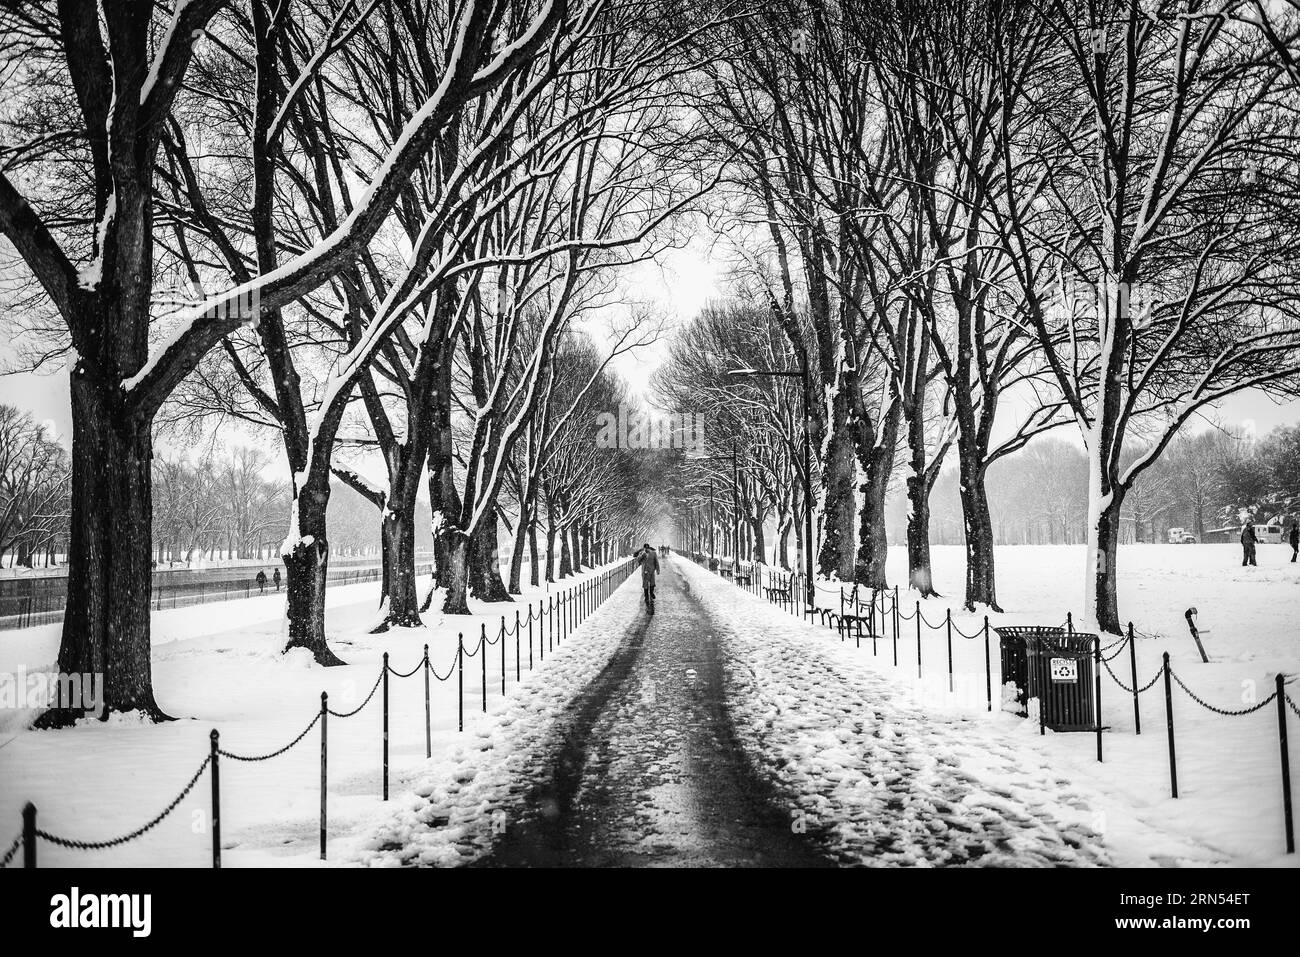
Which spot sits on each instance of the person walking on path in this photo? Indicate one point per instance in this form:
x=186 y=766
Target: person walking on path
x=261 y=581
x=648 y=559
x=1248 y=541
x=1293 y=537
x=276 y=578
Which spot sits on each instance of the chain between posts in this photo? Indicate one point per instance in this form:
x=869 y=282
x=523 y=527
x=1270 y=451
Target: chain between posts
x=1223 y=711
x=126 y=838
x=592 y=594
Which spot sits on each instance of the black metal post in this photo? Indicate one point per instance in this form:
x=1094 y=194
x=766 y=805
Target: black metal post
x=29 y=835
x=1169 y=721
x=460 y=681
x=214 y=738
x=385 y=681
x=1133 y=670
x=428 y=717
x=1286 y=765
x=948 y=621
x=1096 y=677
x=988 y=667
x=324 y=717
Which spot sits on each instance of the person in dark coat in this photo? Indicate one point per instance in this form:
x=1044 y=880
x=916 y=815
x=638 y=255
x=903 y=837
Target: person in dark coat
x=648 y=559
x=261 y=581
x=1293 y=536
x=276 y=578
x=1248 y=541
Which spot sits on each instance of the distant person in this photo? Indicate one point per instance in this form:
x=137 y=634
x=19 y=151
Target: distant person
x=1248 y=542
x=276 y=578
x=648 y=559
x=1293 y=537
x=261 y=581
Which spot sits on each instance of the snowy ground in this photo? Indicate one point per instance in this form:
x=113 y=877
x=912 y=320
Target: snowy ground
x=1230 y=804
x=219 y=666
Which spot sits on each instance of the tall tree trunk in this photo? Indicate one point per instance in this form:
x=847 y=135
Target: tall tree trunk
x=875 y=461
x=485 y=566
x=397 y=538
x=533 y=570
x=454 y=577
x=835 y=559
x=517 y=555
x=919 y=572
x=566 y=558
x=981 y=588
x=306 y=562
x=1101 y=594
x=106 y=622
x=550 y=540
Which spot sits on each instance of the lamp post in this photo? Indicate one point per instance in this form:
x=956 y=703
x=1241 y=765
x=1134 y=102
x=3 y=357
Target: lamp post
x=802 y=374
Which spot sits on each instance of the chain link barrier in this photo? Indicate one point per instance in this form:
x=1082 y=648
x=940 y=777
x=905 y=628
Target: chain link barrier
x=618 y=575
x=1146 y=687
x=274 y=754
x=9 y=854
x=126 y=838
x=1223 y=711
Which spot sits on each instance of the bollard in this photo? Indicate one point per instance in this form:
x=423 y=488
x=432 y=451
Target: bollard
x=895 y=611
x=518 y=672
x=482 y=648
x=1069 y=622
x=460 y=681
x=428 y=718
x=1096 y=677
x=1169 y=721
x=918 y=639
x=213 y=738
x=502 y=639
x=29 y=835
x=530 y=633
x=1133 y=670
x=895 y=617
x=948 y=622
x=1286 y=765
x=385 y=681
x=324 y=717
x=988 y=667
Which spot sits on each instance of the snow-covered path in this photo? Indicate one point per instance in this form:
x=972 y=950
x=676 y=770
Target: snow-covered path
x=713 y=738
x=644 y=768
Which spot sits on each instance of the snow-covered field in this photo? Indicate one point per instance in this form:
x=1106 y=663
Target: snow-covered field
x=219 y=666
x=1229 y=774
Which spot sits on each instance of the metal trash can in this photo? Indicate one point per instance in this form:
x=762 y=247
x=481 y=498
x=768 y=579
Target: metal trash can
x=1015 y=660
x=1062 y=672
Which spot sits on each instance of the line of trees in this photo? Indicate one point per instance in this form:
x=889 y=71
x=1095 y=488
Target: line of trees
x=1036 y=214
x=372 y=228
x=34 y=483
x=1209 y=480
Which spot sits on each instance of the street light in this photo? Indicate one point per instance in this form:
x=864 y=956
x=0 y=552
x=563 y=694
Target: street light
x=802 y=374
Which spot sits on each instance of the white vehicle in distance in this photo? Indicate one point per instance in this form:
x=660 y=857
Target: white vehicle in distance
x=1181 y=536
x=1270 y=534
